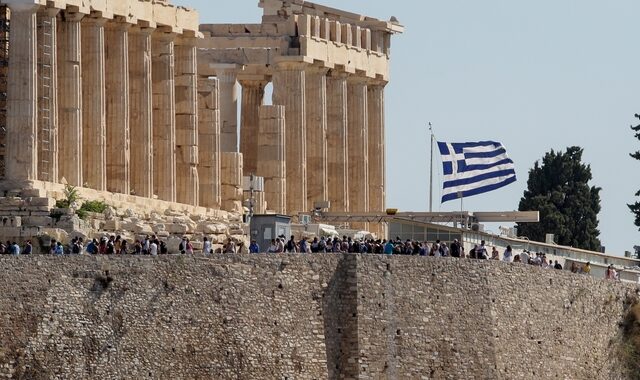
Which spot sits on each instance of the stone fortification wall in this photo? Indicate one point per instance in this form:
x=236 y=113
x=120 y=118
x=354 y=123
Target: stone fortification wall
x=302 y=317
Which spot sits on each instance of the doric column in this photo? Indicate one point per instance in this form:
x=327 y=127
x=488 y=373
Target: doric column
x=140 y=111
x=227 y=77
x=316 y=147
x=252 y=99
x=164 y=117
x=271 y=157
x=94 y=111
x=209 y=142
x=21 y=143
x=358 y=145
x=289 y=91
x=187 y=186
x=47 y=95
x=70 y=98
x=117 y=90
x=337 y=137
x=376 y=150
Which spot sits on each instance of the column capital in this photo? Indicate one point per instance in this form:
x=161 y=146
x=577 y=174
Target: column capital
x=291 y=66
x=69 y=16
x=315 y=69
x=186 y=41
x=163 y=36
x=143 y=30
x=22 y=5
x=358 y=79
x=253 y=81
x=96 y=21
x=118 y=24
x=49 y=12
x=377 y=82
x=338 y=74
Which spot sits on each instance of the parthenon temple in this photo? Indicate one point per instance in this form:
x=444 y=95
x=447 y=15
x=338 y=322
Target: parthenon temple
x=135 y=97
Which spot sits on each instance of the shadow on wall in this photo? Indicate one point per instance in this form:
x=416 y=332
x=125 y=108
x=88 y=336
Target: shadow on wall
x=340 y=309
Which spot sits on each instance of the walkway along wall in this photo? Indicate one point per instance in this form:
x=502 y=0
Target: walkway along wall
x=302 y=317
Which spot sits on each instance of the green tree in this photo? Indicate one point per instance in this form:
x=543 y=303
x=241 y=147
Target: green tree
x=558 y=188
x=635 y=208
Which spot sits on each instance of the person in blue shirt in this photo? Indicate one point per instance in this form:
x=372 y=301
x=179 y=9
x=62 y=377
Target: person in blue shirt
x=388 y=248
x=254 y=247
x=59 y=249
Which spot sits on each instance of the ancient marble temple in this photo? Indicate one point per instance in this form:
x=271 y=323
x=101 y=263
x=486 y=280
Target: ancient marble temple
x=135 y=97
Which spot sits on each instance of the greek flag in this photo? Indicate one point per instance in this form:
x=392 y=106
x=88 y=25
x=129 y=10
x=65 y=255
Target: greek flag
x=474 y=168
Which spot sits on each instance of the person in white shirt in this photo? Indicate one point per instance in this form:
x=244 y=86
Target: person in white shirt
x=524 y=257
x=153 y=249
x=206 y=246
x=508 y=254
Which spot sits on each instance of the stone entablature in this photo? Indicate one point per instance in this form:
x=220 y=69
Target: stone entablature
x=146 y=13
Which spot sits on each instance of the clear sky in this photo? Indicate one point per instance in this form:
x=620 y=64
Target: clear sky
x=536 y=76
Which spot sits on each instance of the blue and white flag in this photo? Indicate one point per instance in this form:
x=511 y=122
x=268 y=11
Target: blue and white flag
x=474 y=168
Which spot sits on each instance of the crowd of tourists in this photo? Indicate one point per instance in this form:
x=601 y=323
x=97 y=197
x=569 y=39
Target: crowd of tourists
x=152 y=245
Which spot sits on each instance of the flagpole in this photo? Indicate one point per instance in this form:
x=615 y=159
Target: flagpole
x=431 y=170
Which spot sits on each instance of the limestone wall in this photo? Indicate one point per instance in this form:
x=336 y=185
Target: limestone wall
x=302 y=317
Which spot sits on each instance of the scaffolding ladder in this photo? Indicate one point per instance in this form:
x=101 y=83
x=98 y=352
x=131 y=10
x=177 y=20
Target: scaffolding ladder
x=45 y=97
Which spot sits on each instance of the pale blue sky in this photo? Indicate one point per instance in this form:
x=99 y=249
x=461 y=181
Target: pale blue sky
x=533 y=75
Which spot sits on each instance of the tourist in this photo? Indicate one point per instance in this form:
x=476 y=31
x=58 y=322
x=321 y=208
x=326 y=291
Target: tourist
x=557 y=266
x=146 y=245
x=137 y=247
x=291 y=247
x=279 y=245
x=455 y=248
x=508 y=254
x=123 y=247
x=189 y=247
x=230 y=247
x=254 y=247
x=182 y=247
x=524 y=257
x=586 y=269
x=495 y=255
x=28 y=249
x=516 y=259
x=153 y=248
x=15 y=249
x=162 y=247
x=92 y=247
x=59 y=249
x=206 y=246
x=574 y=267
x=481 y=252
x=610 y=274
x=304 y=246
x=273 y=247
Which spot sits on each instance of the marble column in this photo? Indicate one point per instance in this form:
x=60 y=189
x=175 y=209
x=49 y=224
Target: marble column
x=316 y=147
x=117 y=91
x=252 y=99
x=337 y=142
x=140 y=111
x=94 y=112
x=47 y=95
x=70 y=98
x=271 y=157
x=358 y=119
x=164 y=116
x=289 y=91
x=376 y=150
x=209 y=143
x=186 y=94
x=227 y=79
x=21 y=151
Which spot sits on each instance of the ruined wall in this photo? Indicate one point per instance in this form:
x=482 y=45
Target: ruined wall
x=301 y=317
